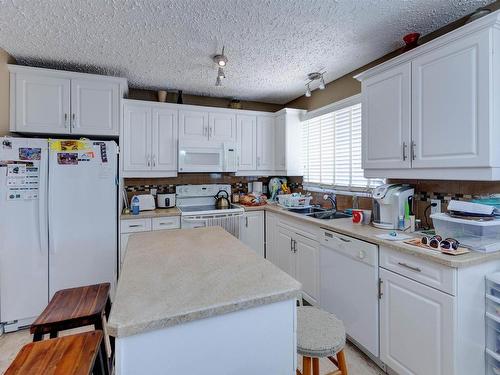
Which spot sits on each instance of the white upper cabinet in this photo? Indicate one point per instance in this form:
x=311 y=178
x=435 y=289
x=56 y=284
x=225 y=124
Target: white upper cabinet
x=222 y=127
x=136 y=137
x=450 y=104
x=386 y=118
x=164 y=141
x=432 y=112
x=265 y=142
x=49 y=101
x=193 y=125
x=41 y=104
x=95 y=107
x=280 y=143
x=149 y=139
x=247 y=142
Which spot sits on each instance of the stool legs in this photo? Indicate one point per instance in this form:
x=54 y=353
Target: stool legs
x=342 y=362
x=103 y=354
x=306 y=365
x=315 y=366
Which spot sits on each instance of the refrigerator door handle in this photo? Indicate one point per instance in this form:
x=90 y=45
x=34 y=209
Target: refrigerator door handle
x=42 y=209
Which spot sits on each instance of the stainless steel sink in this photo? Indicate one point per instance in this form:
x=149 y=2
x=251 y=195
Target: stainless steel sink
x=308 y=211
x=329 y=215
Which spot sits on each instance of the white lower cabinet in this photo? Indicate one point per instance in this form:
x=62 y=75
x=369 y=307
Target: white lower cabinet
x=417 y=327
x=252 y=231
x=296 y=252
x=131 y=226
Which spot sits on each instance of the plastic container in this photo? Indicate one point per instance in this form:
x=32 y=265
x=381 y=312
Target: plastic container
x=492 y=333
x=292 y=200
x=493 y=305
x=492 y=364
x=483 y=236
x=493 y=284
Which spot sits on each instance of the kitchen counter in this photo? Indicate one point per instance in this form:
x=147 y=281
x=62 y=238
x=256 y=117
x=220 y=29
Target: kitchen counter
x=173 y=277
x=368 y=233
x=159 y=212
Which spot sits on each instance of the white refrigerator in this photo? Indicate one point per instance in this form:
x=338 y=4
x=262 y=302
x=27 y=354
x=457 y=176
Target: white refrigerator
x=58 y=221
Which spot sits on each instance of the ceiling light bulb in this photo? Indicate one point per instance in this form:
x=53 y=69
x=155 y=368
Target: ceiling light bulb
x=220 y=73
x=218 y=82
x=308 y=91
x=322 y=83
x=222 y=62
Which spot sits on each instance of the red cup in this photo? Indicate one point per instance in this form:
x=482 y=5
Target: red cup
x=357 y=216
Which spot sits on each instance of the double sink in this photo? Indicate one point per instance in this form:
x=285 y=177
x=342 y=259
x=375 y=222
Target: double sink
x=321 y=213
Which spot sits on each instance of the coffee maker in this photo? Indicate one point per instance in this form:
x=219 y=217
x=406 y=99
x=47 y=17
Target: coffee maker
x=389 y=204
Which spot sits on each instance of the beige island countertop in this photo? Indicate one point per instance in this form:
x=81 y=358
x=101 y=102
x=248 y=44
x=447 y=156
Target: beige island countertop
x=173 y=277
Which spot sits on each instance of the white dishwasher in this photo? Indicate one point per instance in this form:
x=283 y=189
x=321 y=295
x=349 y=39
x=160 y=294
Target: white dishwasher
x=349 y=286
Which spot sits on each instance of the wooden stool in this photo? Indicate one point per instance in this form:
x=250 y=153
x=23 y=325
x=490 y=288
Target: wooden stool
x=70 y=355
x=320 y=334
x=74 y=308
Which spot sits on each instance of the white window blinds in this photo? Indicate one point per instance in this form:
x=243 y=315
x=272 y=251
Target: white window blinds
x=331 y=150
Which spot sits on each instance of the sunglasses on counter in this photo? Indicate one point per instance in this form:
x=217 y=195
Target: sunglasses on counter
x=437 y=242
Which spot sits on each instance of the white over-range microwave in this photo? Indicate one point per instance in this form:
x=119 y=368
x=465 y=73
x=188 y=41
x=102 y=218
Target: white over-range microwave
x=195 y=156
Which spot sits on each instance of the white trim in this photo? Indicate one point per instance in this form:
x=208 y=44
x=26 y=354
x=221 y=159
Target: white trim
x=339 y=191
x=341 y=104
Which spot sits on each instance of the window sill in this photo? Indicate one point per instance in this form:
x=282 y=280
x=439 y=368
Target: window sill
x=355 y=193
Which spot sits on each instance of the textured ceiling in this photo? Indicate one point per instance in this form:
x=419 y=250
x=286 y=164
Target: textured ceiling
x=271 y=44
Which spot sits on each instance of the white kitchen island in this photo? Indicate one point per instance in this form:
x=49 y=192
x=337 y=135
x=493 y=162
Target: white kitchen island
x=198 y=301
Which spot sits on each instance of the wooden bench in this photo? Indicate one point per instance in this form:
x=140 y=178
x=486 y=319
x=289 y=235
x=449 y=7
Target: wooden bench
x=74 y=308
x=77 y=354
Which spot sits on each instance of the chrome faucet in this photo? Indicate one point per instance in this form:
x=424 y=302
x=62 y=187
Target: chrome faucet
x=332 y=198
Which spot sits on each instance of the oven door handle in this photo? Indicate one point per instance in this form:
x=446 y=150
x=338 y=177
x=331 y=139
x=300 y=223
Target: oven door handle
x=193 y=219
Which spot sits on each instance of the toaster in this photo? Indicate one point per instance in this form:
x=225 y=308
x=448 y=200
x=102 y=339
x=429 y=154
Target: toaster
x=165 y=200
x=146 y=202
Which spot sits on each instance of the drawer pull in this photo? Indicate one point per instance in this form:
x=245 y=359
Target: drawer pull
x=416 y=269
x=166 y=223
x=135 y=225
x=344 y=239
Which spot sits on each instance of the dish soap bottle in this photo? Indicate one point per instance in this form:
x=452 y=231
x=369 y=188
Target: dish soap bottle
x=135 y=205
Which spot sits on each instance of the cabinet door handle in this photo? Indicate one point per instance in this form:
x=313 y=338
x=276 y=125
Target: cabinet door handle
x=210 y=130
x=413 y=145
x=416 y=269
x=148 y=159
x=154 y=160
x=291 y=245
x=246 y=221
x=294 y=246
x=73 y=120
x=65 y=120
x=405 y=146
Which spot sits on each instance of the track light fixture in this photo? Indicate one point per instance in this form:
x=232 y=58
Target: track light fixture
x=316 y=76
x=308 y=91
x=221 y=61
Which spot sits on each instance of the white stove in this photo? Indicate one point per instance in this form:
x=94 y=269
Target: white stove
x=197 y=206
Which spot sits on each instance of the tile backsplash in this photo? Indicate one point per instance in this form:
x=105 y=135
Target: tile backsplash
x=425 y=190
x=168 y=184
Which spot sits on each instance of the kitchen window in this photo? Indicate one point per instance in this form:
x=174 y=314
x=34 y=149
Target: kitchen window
x=331 y=147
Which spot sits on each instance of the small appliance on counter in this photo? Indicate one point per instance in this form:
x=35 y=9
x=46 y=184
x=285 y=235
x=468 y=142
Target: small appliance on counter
x=389 y=204
x=146 y=202
x=165 y=200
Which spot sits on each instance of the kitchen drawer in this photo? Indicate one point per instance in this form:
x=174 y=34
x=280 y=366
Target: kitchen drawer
x=171 y=222
x=426 y=272
x=135 y=225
